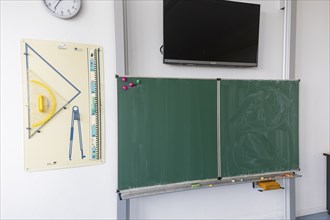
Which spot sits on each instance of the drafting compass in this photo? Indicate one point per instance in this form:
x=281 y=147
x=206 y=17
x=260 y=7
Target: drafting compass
x=76 y=117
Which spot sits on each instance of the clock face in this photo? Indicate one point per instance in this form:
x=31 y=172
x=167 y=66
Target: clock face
x=63 y=8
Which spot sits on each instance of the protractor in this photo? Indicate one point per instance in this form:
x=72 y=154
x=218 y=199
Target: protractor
x=44 y=104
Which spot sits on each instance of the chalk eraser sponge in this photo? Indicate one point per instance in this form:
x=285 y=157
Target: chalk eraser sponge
x=269 y=185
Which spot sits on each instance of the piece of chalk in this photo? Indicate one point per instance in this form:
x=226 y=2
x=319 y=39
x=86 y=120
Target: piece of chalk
x=195 y=185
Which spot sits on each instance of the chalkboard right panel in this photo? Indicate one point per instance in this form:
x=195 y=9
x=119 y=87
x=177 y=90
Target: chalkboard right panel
x=258 y=126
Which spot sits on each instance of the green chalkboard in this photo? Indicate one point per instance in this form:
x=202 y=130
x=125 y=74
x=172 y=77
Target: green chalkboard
x=259 y=126
x=167 y=131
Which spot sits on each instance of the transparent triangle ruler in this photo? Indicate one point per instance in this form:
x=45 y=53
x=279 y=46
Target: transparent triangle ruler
x=45 y=86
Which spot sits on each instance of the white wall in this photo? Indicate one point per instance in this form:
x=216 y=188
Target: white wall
x=312 y=67
x=240 y=201
x=89 y=192
x=145 y=36
x=79 y=193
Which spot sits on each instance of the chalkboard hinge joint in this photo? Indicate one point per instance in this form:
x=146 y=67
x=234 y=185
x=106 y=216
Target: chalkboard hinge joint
x=119 y=194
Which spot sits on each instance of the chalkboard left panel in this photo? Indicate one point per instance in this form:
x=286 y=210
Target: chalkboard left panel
x=167 y=131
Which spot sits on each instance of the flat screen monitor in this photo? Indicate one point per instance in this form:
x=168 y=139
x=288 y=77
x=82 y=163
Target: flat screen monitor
x=211 y=32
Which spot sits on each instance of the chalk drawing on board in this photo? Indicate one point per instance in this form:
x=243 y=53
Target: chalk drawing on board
x=259 y=118
x=260 y=129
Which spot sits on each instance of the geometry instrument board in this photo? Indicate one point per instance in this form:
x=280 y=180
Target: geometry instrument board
x=63 y=109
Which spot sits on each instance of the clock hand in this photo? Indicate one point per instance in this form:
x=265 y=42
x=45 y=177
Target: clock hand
x=56 y=5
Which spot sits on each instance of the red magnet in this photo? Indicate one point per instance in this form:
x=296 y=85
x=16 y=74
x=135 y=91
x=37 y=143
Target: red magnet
x=124 y=87
x=124 y=79
x=131 y=84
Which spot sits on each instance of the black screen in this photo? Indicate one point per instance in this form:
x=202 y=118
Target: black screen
x=211 y=32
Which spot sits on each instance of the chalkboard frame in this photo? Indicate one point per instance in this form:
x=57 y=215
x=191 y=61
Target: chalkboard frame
x=206 y=183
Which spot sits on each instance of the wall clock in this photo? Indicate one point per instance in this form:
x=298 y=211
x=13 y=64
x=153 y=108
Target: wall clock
x=63 y=8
